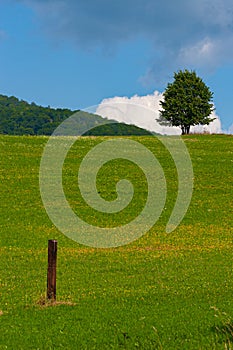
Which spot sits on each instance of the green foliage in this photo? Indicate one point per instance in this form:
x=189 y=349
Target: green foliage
x=21 y=118
x=187 y=101
x=117 y=129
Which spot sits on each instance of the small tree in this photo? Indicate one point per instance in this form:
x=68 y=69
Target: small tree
x=187 y=101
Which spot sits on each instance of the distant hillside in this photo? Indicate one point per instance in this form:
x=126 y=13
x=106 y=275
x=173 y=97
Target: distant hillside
x=18 y=117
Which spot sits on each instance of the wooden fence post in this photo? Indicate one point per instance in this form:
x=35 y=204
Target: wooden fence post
x=51 y=276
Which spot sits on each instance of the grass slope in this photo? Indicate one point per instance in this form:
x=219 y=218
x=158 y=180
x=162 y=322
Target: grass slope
x=163 y=291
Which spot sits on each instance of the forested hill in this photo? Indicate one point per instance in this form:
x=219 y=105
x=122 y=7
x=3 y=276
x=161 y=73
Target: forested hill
x=18 y=117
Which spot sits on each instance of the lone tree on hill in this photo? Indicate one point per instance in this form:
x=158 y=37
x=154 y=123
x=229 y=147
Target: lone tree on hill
x=187 y=101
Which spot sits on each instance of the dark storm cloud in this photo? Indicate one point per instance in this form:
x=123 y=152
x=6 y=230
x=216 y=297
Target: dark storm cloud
x=182 y=33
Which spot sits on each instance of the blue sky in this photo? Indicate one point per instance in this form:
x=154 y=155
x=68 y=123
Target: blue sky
x=75 y=53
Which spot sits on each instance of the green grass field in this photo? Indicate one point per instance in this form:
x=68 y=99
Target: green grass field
x=163 y=291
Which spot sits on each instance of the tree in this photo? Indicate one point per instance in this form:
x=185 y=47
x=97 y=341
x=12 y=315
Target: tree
x=187 y=101
x=22 y=118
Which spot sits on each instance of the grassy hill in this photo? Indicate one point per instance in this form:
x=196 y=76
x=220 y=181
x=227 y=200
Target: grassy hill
x=163 y=291
x=18 y=117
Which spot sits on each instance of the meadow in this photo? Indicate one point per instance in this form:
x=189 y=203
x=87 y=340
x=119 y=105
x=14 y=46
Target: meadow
x=162 y=291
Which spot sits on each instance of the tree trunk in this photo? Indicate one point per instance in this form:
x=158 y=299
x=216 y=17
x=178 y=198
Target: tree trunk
x=185 y=130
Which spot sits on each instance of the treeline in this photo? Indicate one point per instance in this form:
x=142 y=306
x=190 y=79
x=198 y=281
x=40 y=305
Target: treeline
x=18 y=117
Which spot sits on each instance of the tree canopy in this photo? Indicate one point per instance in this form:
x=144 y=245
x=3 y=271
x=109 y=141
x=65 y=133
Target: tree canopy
x=18 y=117
x=187 y=101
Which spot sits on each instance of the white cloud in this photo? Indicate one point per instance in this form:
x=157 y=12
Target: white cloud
x=143 y=112
x=230 y=130
x=213 y=128
x=197 y=33
x=198 y=53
